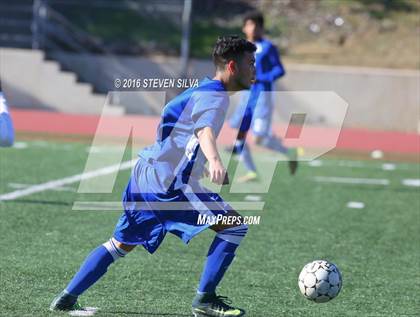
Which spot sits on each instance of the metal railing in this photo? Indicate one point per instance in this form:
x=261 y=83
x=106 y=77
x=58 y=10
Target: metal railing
x=52 y=31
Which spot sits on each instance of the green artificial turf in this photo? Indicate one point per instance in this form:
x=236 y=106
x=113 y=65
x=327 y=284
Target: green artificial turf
x=43 y=242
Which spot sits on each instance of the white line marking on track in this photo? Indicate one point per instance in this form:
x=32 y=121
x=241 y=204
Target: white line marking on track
x=67 y=180
x=352 y=180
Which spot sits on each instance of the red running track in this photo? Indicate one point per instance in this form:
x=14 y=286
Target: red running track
x=144 y=127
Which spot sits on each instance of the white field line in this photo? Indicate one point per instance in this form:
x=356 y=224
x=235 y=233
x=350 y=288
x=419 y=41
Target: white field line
x=364 y=165
x=43 y=144
x=20 y=145
x=411 y=182
x=87 y=311
x=22 y=186
x=67 y=180
x=352 y=180
x=389 y=166
x=104 y=149
x=355 y=205
x=253 y=197
x=117 y=206
x=349 y=163
x=385 y=166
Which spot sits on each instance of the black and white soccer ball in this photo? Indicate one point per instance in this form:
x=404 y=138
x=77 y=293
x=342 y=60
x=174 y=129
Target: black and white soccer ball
x=320 y=281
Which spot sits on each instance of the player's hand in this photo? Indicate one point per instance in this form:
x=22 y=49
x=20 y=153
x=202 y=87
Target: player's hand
x=218 y=173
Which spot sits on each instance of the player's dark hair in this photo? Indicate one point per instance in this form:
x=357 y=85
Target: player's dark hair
x=256 y=17
x=230 y=48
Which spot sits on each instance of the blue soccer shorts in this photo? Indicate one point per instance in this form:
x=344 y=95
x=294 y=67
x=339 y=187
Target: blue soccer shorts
x=150 y=213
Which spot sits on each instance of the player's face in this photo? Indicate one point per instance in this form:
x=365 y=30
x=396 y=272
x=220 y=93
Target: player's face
x=252 y=30
x=245 y=75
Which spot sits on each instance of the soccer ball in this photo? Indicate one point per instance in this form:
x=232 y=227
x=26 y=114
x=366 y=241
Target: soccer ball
x=320 y=281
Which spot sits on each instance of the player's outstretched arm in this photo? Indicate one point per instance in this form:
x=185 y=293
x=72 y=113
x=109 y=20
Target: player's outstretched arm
x=207 y=141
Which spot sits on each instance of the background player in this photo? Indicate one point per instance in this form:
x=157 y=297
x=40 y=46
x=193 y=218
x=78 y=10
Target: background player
x=168 y=172
x=7 y=133
x=268 y=69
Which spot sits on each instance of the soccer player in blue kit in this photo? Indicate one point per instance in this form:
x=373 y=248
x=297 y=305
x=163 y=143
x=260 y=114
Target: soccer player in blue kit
x=268 y=69
x=168 y=173
x=7 y=133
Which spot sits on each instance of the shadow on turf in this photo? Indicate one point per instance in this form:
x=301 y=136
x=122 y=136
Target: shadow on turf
x=143 y=313
x=42 y=202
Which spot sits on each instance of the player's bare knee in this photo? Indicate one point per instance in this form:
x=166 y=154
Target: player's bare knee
x=125 y=247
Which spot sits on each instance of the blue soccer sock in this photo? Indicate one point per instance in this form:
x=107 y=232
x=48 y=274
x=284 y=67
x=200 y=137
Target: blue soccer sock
x=247 y=159
x=220 y=256
x=94 y=267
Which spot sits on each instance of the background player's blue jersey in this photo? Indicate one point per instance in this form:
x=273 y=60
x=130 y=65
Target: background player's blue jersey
x=176 y=150
x=268 y=65
x=268 y=69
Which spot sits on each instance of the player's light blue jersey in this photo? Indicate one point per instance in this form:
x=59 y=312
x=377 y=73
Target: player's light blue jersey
x=176 y=154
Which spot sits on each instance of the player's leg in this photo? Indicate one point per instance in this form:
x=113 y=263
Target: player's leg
x=133 y=228
x=221 y=252
x=96 y=264
x=7 y=133
x=246 y=158
x=242 y=148
x=261 y=128
x=93 y=268
x=249 y=163
x=220 y=255
x=235 y=122
x=272 y=142
x=265 y=137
